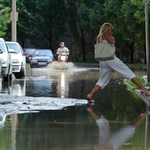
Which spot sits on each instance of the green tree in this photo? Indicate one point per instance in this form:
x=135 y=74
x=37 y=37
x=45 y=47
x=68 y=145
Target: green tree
x=97 y=16
x=139 y=14
x=40 y=21
x=4 y=19
x=43 y=21
x=73 y=20
x=127 y=28
x=87 y=17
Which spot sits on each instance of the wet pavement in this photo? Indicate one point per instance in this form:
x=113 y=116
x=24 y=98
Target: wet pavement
x=51 y=113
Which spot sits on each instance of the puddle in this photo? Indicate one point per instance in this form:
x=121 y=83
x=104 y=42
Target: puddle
x=50 y=110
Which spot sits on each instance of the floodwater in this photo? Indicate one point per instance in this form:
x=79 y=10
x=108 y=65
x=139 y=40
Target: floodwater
x=51 y=113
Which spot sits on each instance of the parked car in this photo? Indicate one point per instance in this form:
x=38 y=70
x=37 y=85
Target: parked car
x=41 y=58
x=5 y=58
x=29 y=52
x=18 y=59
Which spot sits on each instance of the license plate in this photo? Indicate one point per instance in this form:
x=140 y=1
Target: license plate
x=42 y=63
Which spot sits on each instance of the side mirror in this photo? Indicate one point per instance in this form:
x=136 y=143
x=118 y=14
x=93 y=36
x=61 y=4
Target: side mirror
x=11 y=51
x=1 y=51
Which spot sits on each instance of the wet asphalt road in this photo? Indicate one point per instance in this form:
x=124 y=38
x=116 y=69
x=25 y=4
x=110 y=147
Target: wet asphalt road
x=70 y=126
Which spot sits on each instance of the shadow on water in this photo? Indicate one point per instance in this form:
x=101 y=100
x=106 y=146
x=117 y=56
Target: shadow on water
x=72 y=126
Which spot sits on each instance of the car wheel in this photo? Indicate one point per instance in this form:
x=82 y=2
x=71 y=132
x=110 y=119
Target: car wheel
x=1 y=76
x=20 y=74
x=8 y=77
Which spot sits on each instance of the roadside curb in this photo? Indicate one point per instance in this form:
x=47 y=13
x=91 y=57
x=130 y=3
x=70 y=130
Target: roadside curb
x=97 y=65
x=144 y=97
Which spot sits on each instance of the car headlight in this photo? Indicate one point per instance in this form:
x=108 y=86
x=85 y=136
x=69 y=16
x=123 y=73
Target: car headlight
x=33 y=60
x=15 y=61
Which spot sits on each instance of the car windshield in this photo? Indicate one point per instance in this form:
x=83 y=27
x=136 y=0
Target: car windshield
x=13 y=46
x=29 y=51
x=2 y=46
x=43 y=53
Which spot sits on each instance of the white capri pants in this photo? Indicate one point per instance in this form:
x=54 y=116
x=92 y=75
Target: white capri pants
x=106 y=67
x=115 y=140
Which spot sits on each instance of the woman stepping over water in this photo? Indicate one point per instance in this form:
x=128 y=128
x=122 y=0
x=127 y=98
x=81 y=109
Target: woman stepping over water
x=106 y=67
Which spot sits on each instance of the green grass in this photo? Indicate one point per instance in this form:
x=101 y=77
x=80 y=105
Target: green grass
x=139 y=65
x=86 y=62
x=128 y=64
x=96 y=62
x=27 y=64
x=134 y=86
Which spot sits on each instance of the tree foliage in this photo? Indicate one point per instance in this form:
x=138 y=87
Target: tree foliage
x=86 y=18
x=4 y=19
x=43 y=22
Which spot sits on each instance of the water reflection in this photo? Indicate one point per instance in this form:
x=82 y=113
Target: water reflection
x=146 y=130
x=4 y=112
x=2 y=119
x=114 y=141
x=63 y=86
x=14 y=87
x=14 y=123
x=66 y=125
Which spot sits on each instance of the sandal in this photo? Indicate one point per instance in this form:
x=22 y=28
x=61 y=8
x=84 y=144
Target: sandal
x=89 y=96
x=142 y=91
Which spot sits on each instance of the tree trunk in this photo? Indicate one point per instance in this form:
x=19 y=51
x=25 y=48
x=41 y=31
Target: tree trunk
x=50 y=41
x=145 y=52
x=131 y=46
x=83 y=45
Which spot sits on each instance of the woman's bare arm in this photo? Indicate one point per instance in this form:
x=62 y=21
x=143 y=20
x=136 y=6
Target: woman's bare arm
x=109 y=38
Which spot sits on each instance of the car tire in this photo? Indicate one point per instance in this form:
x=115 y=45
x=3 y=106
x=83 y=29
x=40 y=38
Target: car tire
x=2 y=78
x=20 y=74
x=8 y=77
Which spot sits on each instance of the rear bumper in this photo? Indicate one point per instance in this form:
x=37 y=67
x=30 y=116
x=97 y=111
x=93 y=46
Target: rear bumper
x=39 y=64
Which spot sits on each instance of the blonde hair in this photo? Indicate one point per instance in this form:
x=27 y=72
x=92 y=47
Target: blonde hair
x=104 y=28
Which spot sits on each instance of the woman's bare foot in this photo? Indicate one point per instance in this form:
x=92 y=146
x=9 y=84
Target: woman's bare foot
x=143 y=115
x=90 y=97
x=90 y=108
x=144 y=90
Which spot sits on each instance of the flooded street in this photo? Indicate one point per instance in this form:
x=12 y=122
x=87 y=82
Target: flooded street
x=51 y=113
